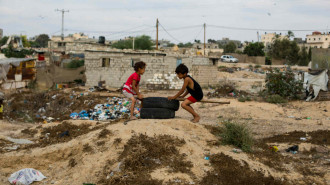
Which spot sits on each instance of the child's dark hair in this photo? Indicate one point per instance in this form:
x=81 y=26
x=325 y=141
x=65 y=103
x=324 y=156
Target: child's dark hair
x=139 y=65
x=183 y=69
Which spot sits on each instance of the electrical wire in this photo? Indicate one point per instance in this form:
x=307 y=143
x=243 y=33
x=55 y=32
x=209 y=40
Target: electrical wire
x=169 y=33
x=257 y=29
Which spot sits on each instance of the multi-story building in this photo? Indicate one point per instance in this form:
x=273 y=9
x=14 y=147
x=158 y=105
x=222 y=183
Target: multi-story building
x=268 y=38
x=318 y=40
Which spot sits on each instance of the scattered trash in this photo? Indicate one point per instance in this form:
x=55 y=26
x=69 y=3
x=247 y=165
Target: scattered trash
x=232 y=94
x=207 y=158
x=308 y=118
x=26 y=176
x=54 y=97
x=235 y=150
x=15 y=147
x=65 y=133
x=291 y=117
x=303 y=139
x=116 y=108
x=293 y=149
x=19 y=141
x=274 y=148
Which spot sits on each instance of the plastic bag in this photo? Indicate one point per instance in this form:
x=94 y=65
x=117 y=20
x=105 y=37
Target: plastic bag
x=26 y=176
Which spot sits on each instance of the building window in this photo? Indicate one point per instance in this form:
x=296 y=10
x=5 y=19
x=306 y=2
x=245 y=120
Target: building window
x=105 y=62
x=319 y=38
x=314 y=39
x=326 y=38
x=309 y=39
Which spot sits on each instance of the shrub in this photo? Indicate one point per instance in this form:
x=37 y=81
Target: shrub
x=75 y=64
x=276 y=99
x=283 y=84
x=257 y=66
x=238 y=135
x=244 y=99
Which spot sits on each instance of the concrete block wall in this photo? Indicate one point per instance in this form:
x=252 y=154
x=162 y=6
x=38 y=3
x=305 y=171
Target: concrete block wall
x=205 y=75
x=159 y=74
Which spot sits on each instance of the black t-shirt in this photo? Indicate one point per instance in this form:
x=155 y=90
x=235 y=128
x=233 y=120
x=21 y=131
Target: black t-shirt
x=197 y=92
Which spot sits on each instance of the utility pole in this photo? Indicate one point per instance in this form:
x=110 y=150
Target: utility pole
x=63 y=11
x=157 y=22
x=258 y=35
x=204 y=38
x=133 y=42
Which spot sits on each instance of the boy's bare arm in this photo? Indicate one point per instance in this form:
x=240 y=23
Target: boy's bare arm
x=185 y=94
x=136 y=89
x=186 y=81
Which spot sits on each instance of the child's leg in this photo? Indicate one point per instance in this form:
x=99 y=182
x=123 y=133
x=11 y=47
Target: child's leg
x=186 y=105
x=132 y=107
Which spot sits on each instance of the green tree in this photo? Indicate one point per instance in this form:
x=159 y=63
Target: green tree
x=123 y=44
x=143 y=42
x=186 y=45
x=25 y=42
x=310 y=54
x=3 y=41
x=303 y=61
x=11 y=52
x=255 y=49
x=230 y=48
x=42 y=40
x=290 y=34
x=211 y=41
x=198 y=41
x=285 y=49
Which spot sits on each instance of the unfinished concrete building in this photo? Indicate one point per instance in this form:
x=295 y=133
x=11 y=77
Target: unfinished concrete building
x=114 y=67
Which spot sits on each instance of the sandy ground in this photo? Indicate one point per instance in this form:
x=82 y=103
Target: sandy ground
x=264 y=119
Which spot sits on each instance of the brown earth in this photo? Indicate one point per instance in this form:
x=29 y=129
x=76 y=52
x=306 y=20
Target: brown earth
x=173 y=151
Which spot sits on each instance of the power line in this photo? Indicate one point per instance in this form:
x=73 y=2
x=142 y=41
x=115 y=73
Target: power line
x=169 y=33
x=256 y=29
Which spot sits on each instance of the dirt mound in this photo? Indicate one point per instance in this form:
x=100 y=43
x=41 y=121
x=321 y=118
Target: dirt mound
x=319 y=137
x=226 y=170
x=143 y=154
x=37 y=106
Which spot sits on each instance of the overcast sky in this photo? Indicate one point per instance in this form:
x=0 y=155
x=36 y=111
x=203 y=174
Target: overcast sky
x=183 y=19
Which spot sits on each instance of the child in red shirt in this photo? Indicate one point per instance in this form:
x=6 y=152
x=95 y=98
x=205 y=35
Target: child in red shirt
x=131 y=87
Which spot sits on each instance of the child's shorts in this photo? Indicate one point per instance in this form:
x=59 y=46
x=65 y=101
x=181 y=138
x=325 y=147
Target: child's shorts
x=192 y=99
x=127 y=94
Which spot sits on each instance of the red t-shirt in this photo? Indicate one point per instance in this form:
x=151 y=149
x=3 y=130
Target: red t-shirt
x=128 y=85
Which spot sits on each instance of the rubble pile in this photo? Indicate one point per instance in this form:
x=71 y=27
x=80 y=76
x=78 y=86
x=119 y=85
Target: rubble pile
x=116 y=108
x=164 y=81
x=225 y=90
x=47 y=106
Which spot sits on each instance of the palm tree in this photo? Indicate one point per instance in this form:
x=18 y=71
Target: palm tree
x=290 y=34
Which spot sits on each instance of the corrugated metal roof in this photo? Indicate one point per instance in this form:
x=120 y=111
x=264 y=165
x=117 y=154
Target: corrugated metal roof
x=14 y=61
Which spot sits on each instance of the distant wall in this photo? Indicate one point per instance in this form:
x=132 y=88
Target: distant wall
x=243 y=58
x=159 y=74
x=320 y=58
x=278 y=62
x=205 y=75
x=50 y=75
